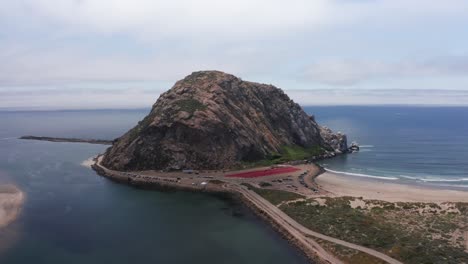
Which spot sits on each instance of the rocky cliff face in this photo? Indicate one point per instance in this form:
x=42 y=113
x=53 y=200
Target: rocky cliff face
x=214 y=120
x=337 y=141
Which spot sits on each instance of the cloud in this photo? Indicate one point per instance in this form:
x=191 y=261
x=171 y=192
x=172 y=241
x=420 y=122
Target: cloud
x=423 y=97
x=178 y=16
x=156 y=18
x=352 y=72
x=54 y=51
x=71 y=65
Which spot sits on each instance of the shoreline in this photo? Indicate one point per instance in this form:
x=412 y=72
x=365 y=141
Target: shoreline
x=216 y=190
x=387 y=190
x=328 y=184
x=296 y=234
x=413 y=181
x=11 y=203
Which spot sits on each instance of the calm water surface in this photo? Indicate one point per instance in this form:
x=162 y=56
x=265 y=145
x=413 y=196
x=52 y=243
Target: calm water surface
x=73 y=216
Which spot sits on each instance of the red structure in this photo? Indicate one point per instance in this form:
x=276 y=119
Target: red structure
x=261 y=173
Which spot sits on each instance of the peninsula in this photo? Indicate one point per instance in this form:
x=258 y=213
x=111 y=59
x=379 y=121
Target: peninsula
x=213 y=132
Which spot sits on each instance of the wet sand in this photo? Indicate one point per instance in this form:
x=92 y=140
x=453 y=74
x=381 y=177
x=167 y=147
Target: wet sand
x=342 y=185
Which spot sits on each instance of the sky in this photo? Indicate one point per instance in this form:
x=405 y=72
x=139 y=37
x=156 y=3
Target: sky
x=88 y=54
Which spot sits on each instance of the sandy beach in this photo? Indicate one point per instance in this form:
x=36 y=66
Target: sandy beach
x=340 y=185
x=11 y=200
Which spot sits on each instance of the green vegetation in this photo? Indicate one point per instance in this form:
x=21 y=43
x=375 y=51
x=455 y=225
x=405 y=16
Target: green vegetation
x=463 y=207
x=190 y=105
x=274 y=196
x=410 y=232
x=300 y=153
x=349 y=255
x=134 y=132
x=287 y=153
x=202 y=75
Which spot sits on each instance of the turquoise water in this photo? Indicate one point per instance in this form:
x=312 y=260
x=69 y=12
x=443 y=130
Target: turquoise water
x=71 y=215
x=423 y=145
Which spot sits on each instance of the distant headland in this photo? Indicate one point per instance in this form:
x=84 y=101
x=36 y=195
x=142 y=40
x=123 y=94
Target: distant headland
x=72 y=140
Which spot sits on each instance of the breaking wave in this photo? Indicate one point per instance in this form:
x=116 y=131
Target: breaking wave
x=414 y=178
x=363 y=175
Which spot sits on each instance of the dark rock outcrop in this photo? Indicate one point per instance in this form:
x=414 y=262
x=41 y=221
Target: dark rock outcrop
x=337 y=141
x=214 y=120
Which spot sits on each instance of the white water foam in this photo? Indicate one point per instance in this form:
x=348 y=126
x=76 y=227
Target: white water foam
x=366 y=146
x=409 y=177
x=438 y=181
x=365 y=150
x=363 y=175
x=88 y=162
x=451 y=185
x=433 y=179
x=443 y=180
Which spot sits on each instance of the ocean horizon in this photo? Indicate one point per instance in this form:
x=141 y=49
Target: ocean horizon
x=411 y=144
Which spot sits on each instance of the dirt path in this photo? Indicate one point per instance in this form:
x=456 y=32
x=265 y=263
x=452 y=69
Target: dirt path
x=291 y=201
x=293 y=226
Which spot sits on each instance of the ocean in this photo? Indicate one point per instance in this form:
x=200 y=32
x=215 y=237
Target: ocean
x=71 y=215
x=416 y=145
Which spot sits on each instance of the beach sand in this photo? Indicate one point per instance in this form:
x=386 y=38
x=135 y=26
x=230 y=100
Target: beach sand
x=11 y=201
x=341 y=185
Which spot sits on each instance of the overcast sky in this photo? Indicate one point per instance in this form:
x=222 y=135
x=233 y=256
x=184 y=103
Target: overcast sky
x=57 y=54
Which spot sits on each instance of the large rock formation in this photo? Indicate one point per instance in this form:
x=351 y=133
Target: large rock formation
x=214 y=120
x=338 y=141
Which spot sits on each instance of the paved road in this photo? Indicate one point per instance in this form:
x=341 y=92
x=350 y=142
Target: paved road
x=287 y=221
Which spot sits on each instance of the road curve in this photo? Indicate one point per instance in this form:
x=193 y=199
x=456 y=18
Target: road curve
x=277 y=214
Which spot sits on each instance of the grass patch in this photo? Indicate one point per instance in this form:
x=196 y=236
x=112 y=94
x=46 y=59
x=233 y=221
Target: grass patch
x=190 y=105
x=462 y=207
x=348 y=255
x=143 y=124
x=405 y=234
x=287 y=153
x=274 y=196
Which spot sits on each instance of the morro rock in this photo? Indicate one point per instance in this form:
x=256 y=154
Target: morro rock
x=214 y=120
